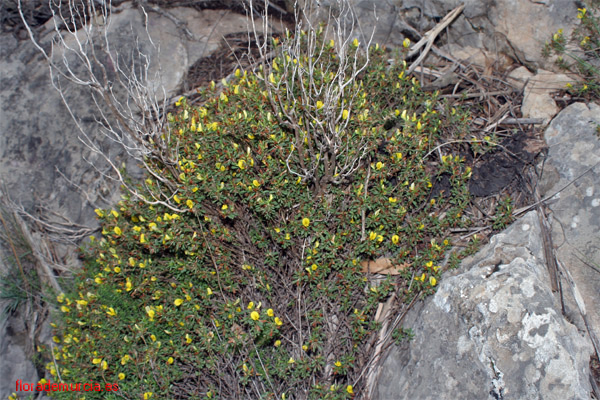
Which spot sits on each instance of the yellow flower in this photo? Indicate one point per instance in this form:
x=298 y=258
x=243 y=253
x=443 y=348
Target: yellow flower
x=241 y=164
x=345 y=114
x=305 y=222
x=128 y=285
x=395 y=239
x=178 y=302
x=142 y=238
x=355 y=42
x=406 y=43
x=338 y=364
x=277 y=343
x=104 y=365
x=150 y=312
x=65 y=309
x=379 y=165
x=99 y=212
x=121 y=376
x=399 y=156
x=314 y=267
x=372 y=235
x=256 y=183
x=209 y=291
x=224 y=207
x=117 y=269
x=55 y=339
x=188 y=338
x=349 y=389
x=432 y=281
x=254 y=315
x=392 y=199
x=81 y=303
x=190 y=203
x=270 y=312
x=278 y=321
x=250 y=305
x=319 y=104
x=60 y=298
x=117 y=230
x=125 y=359
x=291 y=360
x=111 y=311
x=170 y=361
x=96 y=361
x=147 y=395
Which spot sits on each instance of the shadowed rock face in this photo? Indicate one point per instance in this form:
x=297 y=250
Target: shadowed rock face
x=492 y=331
x=515 y=28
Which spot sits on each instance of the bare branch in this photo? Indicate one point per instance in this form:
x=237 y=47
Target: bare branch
x=326 y=91
x=129 y=100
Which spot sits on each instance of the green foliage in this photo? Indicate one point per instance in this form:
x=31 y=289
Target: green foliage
x=503 y=215
x=401 y=335
x=254 y=288
x=585 y=60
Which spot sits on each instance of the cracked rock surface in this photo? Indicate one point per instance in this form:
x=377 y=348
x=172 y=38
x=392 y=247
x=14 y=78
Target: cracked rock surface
x=492 y=331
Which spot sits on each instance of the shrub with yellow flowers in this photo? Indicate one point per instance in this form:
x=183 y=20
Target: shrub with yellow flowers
x=254 y=288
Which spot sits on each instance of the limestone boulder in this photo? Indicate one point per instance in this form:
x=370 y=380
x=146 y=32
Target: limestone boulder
x=573 y=164
x=492 y=331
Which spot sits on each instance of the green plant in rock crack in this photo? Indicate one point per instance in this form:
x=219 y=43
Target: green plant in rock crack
x=257 y=291
x=401 y=335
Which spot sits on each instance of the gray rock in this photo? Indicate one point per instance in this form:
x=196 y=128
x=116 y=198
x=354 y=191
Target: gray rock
x=492 y=333
x=16 y=358
x=574 y=148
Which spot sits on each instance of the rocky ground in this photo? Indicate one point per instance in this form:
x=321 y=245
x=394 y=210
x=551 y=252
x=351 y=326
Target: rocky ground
x=497 y=327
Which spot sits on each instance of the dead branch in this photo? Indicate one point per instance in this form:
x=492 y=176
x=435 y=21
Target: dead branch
x=429 y=37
